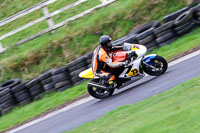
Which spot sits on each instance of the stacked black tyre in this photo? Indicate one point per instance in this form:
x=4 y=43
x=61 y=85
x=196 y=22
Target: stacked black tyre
x=145 y=34
x=75 y=67
x=165 y=33
x=21 y=94
x=196 y=14
x=61 y=79
x=46 y=81
x=7 y=100
x=130 y=38
x=174 y=15
x=89 y=59
x=35 y=88
x=183 y=23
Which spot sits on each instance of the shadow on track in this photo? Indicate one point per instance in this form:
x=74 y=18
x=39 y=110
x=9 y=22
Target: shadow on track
x=131 y=86
x=124 y=90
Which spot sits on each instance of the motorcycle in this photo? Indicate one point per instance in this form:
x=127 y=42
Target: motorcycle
x=136 y=65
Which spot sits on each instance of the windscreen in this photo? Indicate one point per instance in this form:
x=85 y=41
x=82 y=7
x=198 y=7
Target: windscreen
x=127 y=46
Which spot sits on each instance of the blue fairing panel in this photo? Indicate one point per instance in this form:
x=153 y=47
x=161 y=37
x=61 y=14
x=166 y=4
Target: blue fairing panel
x=148 y=58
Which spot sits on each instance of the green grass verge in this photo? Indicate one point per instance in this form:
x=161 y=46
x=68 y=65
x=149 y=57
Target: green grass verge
x=174 y=111
x=78 y=37
x=54 y=99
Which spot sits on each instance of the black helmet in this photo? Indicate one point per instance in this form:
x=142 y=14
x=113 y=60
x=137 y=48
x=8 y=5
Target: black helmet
x=105 y=41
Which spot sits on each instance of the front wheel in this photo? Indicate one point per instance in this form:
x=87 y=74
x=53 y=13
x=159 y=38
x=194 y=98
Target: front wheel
x=99 y=93
x=156 y=66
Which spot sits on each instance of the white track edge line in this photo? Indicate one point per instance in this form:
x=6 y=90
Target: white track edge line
x=77 y=103
x=186 y=57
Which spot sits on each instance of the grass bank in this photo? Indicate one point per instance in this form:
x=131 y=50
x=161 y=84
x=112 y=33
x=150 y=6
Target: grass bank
x=174 y=111
x=78 y=37
x=50 y=101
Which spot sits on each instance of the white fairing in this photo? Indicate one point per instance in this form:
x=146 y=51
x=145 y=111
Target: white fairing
x=140 y=51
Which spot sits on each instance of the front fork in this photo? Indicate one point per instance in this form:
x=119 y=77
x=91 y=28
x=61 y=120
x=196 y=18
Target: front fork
x=149 y=65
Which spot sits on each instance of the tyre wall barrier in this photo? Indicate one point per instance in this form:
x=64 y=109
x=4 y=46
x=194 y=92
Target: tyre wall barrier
x=154 y=34
x=16 y=92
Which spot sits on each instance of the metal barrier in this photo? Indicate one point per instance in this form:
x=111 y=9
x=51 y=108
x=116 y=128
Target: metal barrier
x=47 y=16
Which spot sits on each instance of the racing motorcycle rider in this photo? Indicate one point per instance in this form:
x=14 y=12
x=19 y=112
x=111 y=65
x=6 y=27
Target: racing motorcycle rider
x=101 y=58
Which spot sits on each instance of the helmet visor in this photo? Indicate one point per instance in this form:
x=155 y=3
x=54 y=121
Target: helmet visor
x=109 y=45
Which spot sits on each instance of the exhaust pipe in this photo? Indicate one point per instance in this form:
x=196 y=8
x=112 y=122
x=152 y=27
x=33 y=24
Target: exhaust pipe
x=97 y=85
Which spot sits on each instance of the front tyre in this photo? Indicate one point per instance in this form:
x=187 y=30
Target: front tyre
x=159 y=66
x=99 y=93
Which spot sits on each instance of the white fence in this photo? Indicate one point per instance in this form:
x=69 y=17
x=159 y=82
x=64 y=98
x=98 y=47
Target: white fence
x=47 y=16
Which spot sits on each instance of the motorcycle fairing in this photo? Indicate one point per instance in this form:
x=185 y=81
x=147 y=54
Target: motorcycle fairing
x=147 y=59
x=133 y=72
x=87 y=74
x=135 y=47
x=129 y=47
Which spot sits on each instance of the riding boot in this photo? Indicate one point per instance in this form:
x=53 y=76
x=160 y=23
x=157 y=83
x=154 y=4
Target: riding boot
x=110 y=85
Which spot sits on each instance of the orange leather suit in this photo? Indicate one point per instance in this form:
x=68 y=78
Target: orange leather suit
x=100 y=60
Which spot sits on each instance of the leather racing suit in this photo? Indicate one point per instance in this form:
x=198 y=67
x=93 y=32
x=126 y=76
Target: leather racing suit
x=99 y=60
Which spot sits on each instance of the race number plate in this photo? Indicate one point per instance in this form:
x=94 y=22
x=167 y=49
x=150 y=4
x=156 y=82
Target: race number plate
x=135 y=47
x=133 y=72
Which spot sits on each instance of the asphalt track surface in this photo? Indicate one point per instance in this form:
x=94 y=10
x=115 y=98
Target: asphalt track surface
x=130 y=94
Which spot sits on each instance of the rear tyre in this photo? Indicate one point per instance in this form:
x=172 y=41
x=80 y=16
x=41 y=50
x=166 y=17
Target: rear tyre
x=160 y=65
x=99 y=93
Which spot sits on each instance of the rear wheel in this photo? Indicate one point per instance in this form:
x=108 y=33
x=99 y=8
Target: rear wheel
x=159 y=66
x=99 y=93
